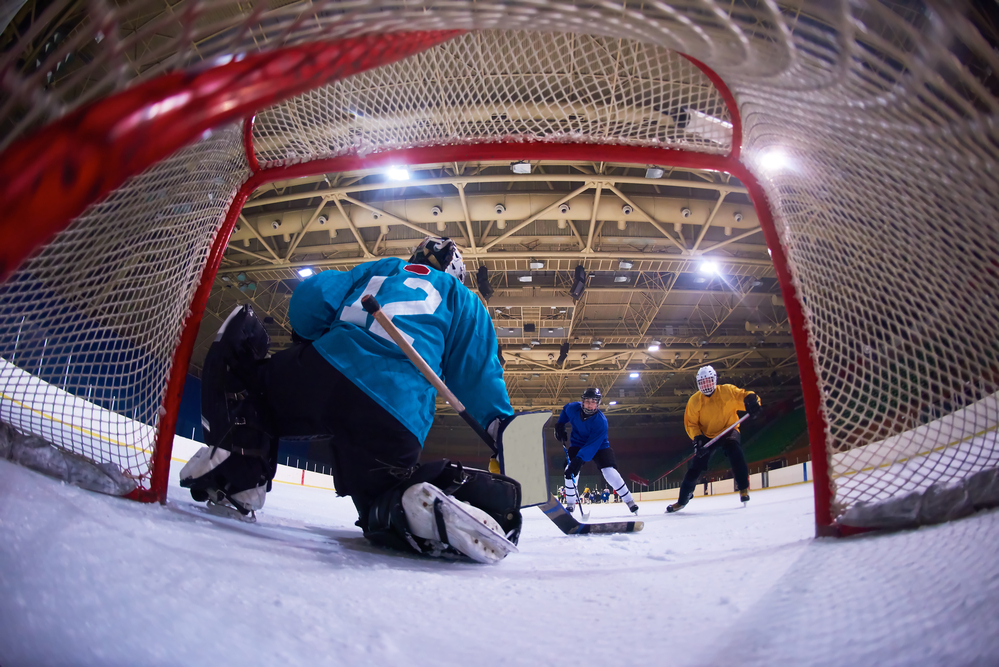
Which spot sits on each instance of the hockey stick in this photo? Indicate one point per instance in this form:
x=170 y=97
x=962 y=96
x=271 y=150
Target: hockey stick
x=371 y=305
x=709 y=443
x=553 y=509
x=575 y=482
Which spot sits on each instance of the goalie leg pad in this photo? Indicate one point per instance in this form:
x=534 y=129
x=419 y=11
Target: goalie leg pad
x=496 y=496
x=435 y=516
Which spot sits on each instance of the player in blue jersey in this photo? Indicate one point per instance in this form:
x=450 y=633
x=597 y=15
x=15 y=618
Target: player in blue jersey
x=588 y=441
x=349 y=390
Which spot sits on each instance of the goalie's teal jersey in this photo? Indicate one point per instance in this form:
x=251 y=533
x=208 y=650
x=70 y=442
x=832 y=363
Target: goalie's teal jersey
x=440 y=317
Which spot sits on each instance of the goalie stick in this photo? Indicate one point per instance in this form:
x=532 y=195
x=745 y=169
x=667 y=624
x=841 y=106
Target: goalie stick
x=552 y=509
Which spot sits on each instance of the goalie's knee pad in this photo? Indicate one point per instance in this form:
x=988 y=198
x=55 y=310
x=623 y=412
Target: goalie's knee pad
x=216 y=474
x=494 y=499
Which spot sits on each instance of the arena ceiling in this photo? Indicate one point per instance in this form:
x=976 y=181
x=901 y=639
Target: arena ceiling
x=676 y=261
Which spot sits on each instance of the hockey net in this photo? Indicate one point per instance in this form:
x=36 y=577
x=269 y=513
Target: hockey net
x=865 y=133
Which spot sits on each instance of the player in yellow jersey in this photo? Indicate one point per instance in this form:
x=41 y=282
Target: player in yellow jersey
x=709 y=412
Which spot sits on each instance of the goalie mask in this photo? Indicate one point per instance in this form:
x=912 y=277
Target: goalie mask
x=707 y=380
x=441 y=254
x=592 y=394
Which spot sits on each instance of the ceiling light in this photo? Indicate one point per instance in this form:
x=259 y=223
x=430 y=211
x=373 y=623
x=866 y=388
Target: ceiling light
x=520 y=167
x=598 y=342
x=525 y=279
x=625 y=264
x=620 y=279
x=654 y=347
x=526 y=348
x=654 y=172
x=535 y=342
x=397 y=174
x=774 y=160
x=536 y=264
x=584 y=376
x=305 y=272
x=633 y=375
x=612 y=403
x=708 y=266
x=551 y=357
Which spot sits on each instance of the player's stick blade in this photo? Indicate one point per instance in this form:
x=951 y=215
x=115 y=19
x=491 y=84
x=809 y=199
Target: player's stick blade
x=567 y=524
x=613 y=527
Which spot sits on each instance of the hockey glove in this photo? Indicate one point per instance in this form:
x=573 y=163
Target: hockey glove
x=573 y=468
x=560 y=433
x=752 y=403
x=699 y=442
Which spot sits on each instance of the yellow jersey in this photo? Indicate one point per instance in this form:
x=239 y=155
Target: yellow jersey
x=710 y=415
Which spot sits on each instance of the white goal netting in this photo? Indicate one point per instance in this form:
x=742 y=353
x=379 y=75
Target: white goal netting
x=871 y=128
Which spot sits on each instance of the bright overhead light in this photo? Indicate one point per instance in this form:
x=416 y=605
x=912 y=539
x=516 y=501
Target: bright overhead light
x=536 y=264
x=526 y=348
x=612 y=403
x=520 y=167
x=397 y=174
x=620 y=279
x=625 y=264
x=654 y=347
x=525 y=279
x=633 y=375
x=305 y=272
x=774 y=160
x=654 y=172
x=709 y=267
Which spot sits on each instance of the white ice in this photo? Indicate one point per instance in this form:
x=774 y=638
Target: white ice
x=93 y=580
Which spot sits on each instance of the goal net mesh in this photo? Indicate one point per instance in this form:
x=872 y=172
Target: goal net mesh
x=871 y=128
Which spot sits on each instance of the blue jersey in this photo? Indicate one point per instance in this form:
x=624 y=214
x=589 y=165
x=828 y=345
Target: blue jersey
x=439 y=316
x=590 y=435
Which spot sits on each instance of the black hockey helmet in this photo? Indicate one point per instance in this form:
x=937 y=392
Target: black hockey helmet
x=593 y=393
x=442 y=254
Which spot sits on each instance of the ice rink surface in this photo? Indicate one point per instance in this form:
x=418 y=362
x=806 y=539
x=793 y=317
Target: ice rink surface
x=87 y=579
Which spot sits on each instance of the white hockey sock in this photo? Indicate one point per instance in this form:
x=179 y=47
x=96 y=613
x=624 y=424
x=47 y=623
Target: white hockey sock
x=571 y=496
x=614 y=478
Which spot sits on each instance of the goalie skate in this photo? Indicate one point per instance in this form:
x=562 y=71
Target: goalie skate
x=466 y=528
x=226 y=510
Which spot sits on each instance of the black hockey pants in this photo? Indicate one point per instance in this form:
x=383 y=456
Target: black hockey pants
x=733 y=450
x=347 y=429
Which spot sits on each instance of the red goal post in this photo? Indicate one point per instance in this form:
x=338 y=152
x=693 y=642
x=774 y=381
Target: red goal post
x=88 y=177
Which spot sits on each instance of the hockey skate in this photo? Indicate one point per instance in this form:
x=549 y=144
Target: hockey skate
x=433 y=515
x=744 y=495
x=226 y=509
x=633 y=507
x=570 y=508
x=675 y=507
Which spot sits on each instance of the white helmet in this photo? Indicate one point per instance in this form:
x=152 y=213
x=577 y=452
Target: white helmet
x=707 y=379
x=442 y=254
